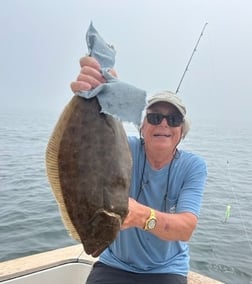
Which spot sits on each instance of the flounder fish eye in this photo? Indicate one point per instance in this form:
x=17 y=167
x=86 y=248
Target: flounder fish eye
x=173 y=120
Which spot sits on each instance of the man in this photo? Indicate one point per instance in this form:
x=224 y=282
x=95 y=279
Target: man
x=165 y=195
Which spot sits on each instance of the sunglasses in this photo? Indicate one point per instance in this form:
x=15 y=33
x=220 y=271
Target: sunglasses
x=173 y=120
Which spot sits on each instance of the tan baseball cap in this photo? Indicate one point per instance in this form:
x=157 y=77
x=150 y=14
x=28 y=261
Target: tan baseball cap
x=169 y=97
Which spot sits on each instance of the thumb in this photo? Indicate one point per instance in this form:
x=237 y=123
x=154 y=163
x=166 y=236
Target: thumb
x=113 y=72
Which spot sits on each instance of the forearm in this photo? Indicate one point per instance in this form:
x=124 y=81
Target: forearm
x=175 y=227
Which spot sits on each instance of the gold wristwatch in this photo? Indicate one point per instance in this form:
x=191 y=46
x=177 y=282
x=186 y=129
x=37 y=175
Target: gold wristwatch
x=151 y=222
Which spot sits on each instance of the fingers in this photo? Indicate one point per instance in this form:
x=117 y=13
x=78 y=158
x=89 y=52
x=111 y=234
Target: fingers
x=90 y=61
x=93 y=75
x=113 y=72
x=80 y=86
x=86 y=82
x=90 y=75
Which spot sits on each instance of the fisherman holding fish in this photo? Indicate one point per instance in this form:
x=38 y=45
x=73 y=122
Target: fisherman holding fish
x=165 y=194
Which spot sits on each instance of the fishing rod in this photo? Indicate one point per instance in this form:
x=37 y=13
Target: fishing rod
x=190 y=59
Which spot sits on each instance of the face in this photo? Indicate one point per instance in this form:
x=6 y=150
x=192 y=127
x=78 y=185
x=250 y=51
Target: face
x=161 y=136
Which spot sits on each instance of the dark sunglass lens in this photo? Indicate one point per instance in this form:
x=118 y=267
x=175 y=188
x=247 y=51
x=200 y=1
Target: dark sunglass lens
x=154 y=118
x=174 y=120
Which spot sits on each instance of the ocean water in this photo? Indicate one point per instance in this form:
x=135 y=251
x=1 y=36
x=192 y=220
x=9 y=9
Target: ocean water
x=30 y=221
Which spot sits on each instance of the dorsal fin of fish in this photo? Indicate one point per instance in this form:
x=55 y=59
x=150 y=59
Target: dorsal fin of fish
x=52 y=166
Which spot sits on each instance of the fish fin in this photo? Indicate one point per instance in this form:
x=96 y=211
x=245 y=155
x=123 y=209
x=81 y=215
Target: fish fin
x=52 y=168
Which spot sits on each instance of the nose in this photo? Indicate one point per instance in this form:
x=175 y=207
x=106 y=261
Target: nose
x=164 y=122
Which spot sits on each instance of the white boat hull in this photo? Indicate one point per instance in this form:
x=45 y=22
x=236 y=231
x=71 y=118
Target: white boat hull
x=61 y=266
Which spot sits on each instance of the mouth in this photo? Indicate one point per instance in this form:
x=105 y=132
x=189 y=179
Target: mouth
x=162 y=135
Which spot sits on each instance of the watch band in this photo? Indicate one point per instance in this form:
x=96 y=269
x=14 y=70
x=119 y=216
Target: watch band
x=151 y=221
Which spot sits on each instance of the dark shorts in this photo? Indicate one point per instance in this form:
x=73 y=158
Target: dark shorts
x=103 y=274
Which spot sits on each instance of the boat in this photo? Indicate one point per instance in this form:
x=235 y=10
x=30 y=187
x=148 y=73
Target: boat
x=62 y=266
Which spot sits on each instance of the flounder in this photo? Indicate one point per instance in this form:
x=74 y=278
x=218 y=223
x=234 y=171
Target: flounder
x=88 y=164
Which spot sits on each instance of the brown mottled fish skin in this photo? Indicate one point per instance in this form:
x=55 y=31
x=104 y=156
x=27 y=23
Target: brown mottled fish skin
x=89 y=165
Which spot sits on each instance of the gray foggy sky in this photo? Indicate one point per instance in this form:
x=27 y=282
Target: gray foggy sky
x=42 y=41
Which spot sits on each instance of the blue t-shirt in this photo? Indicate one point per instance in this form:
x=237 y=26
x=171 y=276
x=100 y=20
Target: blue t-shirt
x=183 y=179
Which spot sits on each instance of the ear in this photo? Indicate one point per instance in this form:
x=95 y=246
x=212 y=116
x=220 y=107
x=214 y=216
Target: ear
x=141 y=127
x=142 y=131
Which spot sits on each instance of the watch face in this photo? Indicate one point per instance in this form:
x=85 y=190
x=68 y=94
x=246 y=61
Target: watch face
x=151 y=224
